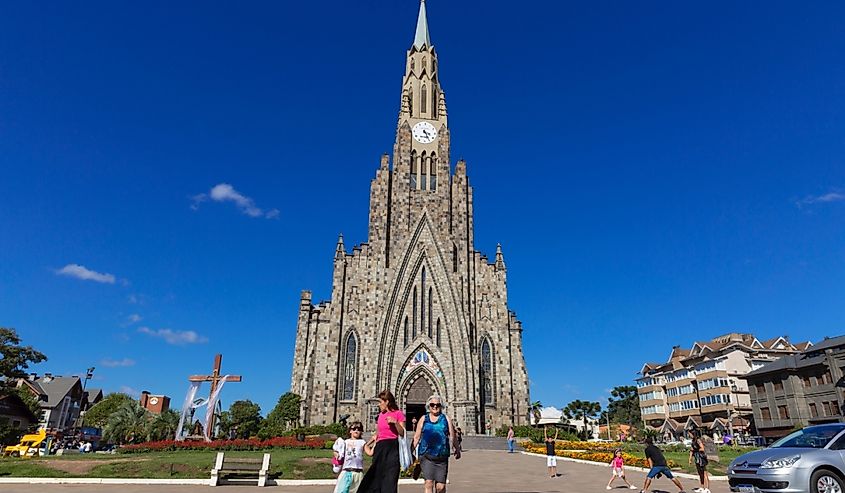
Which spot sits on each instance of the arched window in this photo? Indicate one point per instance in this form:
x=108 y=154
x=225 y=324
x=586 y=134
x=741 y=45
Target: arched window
x=438 y=332
x=412 y=65
x=413 y=170
x=432 y=166
x=454 y=258
x=423 y=99
x=422 y=301
x=424 y=171
x=434 y=102
x=487 y=371
x=405 y=333
x=430 y=292
x=414 y=317
x=350 y=361
x=411 y=100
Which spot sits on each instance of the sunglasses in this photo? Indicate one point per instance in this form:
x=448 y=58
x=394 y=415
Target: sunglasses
x=356 y=429
x=435 y=405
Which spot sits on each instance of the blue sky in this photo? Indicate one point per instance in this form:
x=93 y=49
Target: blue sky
x=656 y=172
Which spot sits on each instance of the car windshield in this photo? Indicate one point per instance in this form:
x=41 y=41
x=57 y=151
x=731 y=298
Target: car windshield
x=812 y=437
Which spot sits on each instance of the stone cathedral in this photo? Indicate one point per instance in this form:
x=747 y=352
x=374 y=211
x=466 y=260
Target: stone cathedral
x=416 y=309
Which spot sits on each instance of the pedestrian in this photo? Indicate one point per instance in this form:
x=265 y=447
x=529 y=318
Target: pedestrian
x=351 y=459
x=459 y=434
x=510 y=439
x=551 y=458
x=657 y=465
x=432 y=437
x=618 y=466
x=698 y=455
x=383 y=474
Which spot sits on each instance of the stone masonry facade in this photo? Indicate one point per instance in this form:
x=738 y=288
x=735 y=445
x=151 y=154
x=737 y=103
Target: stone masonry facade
x=416 y=310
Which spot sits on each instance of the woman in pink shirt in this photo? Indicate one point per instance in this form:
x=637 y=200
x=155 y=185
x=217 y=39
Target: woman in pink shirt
x=383 y=474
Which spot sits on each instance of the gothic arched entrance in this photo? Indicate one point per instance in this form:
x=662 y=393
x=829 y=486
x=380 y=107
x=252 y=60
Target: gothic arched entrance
x=415 y=397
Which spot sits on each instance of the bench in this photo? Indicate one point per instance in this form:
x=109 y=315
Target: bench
x=242 y=466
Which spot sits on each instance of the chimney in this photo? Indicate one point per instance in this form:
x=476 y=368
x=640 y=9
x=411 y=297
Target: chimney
x=48 y=377
x=32 y=377
x=145 y=396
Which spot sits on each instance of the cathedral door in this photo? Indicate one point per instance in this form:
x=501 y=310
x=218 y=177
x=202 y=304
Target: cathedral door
x=419 y=392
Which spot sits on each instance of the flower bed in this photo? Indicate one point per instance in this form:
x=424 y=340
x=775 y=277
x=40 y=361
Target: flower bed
x=242 y=444
x=598 y=455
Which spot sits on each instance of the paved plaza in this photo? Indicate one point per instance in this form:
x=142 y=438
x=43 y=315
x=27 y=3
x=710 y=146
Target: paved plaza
x=478 y=471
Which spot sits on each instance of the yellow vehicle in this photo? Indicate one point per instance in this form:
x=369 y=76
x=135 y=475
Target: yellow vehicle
x=30 y=445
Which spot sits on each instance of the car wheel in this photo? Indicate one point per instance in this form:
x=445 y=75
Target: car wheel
x=825 y=481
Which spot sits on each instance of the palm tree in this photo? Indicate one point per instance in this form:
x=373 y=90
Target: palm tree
x=128 y=424
x=582 y=410
x=163 y=426
x=534 y=410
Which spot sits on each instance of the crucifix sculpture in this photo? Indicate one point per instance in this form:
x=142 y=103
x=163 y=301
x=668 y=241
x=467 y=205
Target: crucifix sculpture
x=215 y=378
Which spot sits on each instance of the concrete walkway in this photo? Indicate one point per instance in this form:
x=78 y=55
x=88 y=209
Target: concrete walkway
x=478 y=471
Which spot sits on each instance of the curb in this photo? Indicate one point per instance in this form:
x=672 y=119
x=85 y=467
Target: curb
x=631 y=468
x=187 y=481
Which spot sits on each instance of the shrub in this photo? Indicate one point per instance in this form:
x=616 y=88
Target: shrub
x=535 y=434
x=222 y=445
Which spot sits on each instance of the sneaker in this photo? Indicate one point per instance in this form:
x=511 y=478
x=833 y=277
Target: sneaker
x=608 y=487
x=632 y=487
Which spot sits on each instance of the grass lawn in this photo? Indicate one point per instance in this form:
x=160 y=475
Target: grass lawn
x=284 y=464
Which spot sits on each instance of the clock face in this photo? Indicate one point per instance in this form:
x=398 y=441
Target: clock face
x=154 y=401
x=424 y=133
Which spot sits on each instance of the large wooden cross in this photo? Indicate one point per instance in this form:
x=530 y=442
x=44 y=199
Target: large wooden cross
x=215 y=378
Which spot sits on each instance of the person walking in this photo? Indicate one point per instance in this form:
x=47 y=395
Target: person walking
x=511 y=439
x=618 y=466
x=432 y=437
x=383 y=474
x=350 y=455
x=699 y=457
x=657 y=465
x=551 y=458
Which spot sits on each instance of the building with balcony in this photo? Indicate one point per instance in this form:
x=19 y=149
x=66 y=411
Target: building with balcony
x=701 y=387
x=799 y=389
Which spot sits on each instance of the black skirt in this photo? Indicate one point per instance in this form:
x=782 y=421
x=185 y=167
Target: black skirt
x=383 y=474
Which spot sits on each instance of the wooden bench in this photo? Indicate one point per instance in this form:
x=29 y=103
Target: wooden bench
x=240 y=465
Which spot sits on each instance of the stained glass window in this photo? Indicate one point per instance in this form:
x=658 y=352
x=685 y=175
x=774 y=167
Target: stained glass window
x=486 y=371
x=349 y=368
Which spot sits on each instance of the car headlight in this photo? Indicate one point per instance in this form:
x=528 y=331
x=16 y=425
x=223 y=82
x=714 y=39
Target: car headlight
x=780 y=463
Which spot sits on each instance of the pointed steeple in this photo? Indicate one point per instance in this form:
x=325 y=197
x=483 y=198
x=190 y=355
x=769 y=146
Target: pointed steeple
x=500 y=258
x=340 y=251
x=421 y=37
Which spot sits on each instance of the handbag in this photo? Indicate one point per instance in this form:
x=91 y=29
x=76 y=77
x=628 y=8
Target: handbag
x=405 y=459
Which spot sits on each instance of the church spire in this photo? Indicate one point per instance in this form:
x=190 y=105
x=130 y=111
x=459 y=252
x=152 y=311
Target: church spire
x=421 y=37
x=340 y=251
x=500 y=258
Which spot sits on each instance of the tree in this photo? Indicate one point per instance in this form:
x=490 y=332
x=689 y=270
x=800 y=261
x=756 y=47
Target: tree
x=128 y=424
x=623 y=406
x=534 y=410
x=163 y=426
x=243 y=417
x=98 y=415
x=285 y=413
x=14 y=358
x=582 y=410
x=28 y=398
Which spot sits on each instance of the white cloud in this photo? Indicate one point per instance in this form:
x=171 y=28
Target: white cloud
x=224 y=192
x=820 y=199
x=134 y=318
x=129 y=390
x=117 y=363
x=81 y=272
x=176 y=337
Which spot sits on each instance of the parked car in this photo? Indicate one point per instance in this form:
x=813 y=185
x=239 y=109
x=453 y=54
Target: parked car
x=809 y=460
